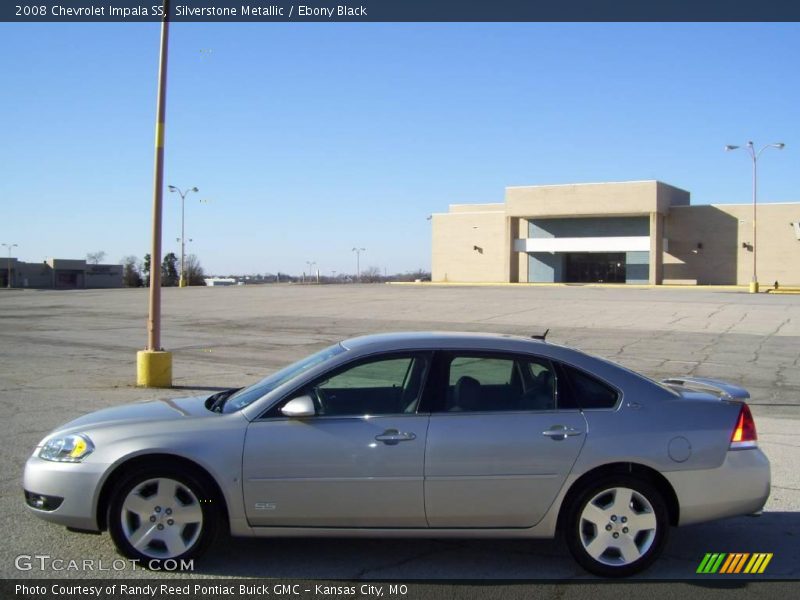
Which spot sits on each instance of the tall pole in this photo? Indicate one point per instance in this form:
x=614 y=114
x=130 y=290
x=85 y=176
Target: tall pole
x=183 y=193
x=154 y=320
x=754 y=281
x=153 y=365
x=311 y=264
x=9 y=246
x=358 y=252
x=751 y=150
x=182 y=279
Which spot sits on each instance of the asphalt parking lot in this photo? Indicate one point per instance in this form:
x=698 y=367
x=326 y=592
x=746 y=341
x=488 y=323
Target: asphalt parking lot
x=66 y=353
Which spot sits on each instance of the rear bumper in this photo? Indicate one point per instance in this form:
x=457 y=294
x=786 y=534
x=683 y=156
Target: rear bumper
x=740 y=486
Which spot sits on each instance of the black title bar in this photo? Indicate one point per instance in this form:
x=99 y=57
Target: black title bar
x=363 y=11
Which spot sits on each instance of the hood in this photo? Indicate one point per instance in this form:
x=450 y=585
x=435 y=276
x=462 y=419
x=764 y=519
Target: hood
x=165 y=409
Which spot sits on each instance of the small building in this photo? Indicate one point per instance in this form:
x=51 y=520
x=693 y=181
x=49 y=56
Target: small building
x=219 y=281
x=630 y=232
x=60 y=274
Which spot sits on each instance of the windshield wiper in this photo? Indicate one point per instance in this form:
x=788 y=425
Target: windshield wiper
x=215 y=402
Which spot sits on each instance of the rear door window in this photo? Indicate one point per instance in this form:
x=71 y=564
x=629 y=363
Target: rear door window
x=492 y=383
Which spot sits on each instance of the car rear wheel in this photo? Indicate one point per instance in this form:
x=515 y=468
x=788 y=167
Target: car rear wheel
x=163 y=514
x=617 y=526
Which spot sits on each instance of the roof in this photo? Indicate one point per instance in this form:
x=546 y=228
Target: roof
x=441 y=339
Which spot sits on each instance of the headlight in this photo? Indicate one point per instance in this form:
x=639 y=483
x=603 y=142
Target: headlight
x=67 y=448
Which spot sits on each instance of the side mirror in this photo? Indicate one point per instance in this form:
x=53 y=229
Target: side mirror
x=302 y=406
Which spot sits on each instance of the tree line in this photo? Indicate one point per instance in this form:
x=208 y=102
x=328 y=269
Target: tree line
x=136 y=273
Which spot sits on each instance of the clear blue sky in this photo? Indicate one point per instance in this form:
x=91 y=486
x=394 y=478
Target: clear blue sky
x=309 y=139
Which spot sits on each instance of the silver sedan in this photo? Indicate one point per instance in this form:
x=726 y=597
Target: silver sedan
x=413 y=434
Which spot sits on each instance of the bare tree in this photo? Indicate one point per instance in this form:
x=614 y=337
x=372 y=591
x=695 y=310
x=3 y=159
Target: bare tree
x=95 y=257
x=371 y=275
x=193 y=270
x=132 y=272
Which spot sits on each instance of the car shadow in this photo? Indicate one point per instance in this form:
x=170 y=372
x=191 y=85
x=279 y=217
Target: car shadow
x=476 y=559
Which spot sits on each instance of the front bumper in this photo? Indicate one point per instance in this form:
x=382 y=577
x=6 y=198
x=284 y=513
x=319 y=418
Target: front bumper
x=740 y=486
x=77 y=483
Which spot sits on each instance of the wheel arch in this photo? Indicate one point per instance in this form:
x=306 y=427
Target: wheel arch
x=154 y=460
x=623 y=468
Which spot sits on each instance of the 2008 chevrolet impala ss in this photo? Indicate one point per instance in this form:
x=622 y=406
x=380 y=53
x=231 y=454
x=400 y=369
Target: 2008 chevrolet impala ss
x=414 y=434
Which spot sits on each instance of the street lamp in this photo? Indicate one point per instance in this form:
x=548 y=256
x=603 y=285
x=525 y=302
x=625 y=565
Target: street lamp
x=310 y=264
x=358 y=252
x=9 y=246
x=183 y=194
x=754 y=156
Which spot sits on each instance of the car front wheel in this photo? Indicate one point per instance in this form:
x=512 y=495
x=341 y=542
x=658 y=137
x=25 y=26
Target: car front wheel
x=163 y=514
x=617 y=526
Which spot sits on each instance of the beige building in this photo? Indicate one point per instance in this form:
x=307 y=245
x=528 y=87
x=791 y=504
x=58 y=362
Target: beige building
x=59 y=274
x=631 y=232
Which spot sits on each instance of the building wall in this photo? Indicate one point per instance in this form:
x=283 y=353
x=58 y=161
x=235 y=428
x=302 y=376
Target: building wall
x=103 y=276
x=65 y=274
x=637 y=267
x=593 y=199
x=545 y=267
x=34 y=275
x=455 y=238
x=589 y=227
x=549 y=267
x=722 y=230
x=703 y=242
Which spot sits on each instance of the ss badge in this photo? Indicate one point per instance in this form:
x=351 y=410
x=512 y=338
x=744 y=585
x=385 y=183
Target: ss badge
x=265 y=506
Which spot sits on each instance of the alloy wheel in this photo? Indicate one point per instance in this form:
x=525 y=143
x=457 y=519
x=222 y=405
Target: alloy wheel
x=161 y=518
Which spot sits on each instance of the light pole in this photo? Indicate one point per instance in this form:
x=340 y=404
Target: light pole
x=311 y=264
x=183 y=194
x=754 y=156
x=9 y=246
x=358 y=252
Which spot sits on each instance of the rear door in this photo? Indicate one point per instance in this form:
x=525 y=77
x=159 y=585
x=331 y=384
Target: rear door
x=499 y=445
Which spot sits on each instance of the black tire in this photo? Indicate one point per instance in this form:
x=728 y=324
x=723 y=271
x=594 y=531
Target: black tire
x=194 y=500
x=608 y=516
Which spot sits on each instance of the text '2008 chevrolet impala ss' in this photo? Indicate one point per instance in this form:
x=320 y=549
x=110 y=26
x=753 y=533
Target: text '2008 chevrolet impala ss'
x=414 y=434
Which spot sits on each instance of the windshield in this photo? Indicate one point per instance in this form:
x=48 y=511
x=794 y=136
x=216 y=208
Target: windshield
x=248 y=395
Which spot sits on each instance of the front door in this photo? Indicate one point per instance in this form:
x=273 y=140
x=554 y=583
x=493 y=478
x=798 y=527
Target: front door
x=499 y=445
x=357 y=463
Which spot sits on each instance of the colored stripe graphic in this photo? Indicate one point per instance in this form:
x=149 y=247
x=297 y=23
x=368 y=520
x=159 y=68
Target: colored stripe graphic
x=734 y=563
x=711 y=562
x=728 y=563
x=758 y=563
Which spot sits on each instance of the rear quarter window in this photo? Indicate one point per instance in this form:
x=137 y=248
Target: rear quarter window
x=588 y=392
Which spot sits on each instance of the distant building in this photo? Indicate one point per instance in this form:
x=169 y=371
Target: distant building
x=59 y=274
x=630 y=232
x=220 y=281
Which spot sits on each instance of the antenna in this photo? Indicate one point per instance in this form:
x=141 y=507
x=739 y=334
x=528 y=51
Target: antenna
x=541 y=336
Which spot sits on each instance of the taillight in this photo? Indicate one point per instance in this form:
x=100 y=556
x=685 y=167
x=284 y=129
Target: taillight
x=744 y=434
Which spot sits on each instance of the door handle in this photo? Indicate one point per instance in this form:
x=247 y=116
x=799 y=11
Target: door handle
x=561 y=432
x=392 y=436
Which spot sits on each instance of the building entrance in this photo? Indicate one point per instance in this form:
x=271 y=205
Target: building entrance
x=595 y=267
